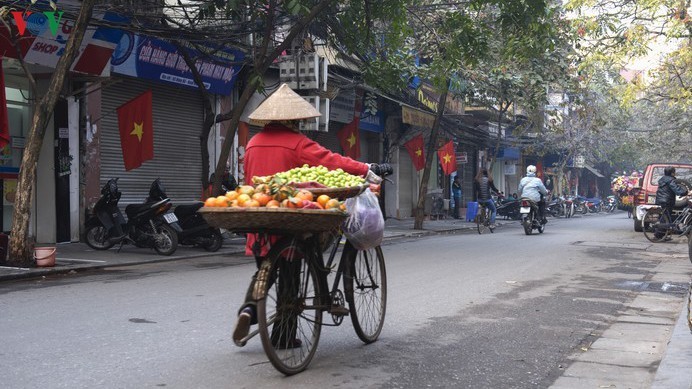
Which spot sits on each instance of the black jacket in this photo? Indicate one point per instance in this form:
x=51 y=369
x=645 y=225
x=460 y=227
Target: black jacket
x=668 y=188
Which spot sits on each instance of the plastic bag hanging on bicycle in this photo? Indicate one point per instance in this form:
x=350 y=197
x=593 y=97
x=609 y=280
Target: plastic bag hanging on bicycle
x=364 y=228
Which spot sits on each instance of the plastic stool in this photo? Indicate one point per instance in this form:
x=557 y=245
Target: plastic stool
x=471 y=211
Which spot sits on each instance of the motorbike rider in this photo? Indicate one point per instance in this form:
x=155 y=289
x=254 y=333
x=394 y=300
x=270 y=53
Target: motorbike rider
x=278 y=147
x=483 y=186
x=532 y=188
x=668 y=188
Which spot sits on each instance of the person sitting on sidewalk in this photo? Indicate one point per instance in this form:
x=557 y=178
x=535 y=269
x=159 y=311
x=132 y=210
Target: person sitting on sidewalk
x=278 y=147
x=484 y=186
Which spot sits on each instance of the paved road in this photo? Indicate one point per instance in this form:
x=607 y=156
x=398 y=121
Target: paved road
x=587 y=304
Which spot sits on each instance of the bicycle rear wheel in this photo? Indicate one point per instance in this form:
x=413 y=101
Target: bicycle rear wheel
x=289 y=314
x=481 y=217
x=365 y=285
x=651 y=225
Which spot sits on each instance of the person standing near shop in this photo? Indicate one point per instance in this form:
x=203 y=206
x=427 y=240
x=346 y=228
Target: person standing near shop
x=456 y=194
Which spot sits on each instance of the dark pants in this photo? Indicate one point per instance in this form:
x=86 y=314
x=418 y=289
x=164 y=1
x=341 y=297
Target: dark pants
x=457 y=203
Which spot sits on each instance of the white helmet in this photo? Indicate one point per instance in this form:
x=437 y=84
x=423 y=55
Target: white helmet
x=530 y=169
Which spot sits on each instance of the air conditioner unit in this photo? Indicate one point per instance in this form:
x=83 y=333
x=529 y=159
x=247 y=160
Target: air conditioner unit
x=323 y=125
x=288 y=71
x=308 y=71
x=312 y=124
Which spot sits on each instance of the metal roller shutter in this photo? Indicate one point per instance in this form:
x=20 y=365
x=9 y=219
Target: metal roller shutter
x=407 y=186
x=178 y=116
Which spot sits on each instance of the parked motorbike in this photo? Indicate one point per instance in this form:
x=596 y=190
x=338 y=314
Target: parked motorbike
x=611 y=204
x=555 y=207
x=529 y=216
x=580 y=205
x=594 y=204
x=195 y=230
x=569 y=206
x=509 y=209
x=147 y=225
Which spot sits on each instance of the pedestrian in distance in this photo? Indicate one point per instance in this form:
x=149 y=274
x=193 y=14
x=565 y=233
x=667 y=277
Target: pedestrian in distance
x=456 y=193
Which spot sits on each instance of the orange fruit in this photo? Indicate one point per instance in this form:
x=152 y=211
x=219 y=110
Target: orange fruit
x=232 y=195
x=246 y=189
x=221 y=201
x=272 y=204
x=304 y=194
x=261 y=198
x=332 y=203
x=210 y=202
x=322 y=200
x=242 y=198
x=251 y=203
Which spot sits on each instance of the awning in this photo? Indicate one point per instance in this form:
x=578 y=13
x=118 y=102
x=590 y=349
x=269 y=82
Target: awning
x=594 y=171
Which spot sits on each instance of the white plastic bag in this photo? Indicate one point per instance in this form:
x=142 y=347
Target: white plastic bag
x=364 y=228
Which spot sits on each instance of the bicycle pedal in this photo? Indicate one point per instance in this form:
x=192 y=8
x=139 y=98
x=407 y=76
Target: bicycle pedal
x=338 y=310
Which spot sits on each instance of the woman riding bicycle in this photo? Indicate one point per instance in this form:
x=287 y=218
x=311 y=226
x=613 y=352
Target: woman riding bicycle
x=278 y=147
x=483 y=185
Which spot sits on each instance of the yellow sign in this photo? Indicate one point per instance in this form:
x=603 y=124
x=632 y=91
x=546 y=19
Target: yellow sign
x=417 y=118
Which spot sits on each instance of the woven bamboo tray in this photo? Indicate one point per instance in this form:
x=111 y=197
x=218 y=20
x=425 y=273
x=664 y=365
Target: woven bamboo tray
x=273 y=220
x=338 y=193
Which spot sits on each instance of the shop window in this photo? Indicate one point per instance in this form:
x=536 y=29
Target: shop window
x=18 y=111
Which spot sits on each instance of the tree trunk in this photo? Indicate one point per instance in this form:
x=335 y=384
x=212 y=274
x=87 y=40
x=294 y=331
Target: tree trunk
x=432 y=147
x=20 y=249
x=262 y=64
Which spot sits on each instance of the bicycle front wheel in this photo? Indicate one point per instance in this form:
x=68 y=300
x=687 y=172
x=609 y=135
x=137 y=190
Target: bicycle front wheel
x=289 y=314
x=651 y=225
x=365 y=284
x=480 y=220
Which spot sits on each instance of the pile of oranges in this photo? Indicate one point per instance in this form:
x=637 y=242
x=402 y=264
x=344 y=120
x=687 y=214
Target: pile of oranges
x=264 y=195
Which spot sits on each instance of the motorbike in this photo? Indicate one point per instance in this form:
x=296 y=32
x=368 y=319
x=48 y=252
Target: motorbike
x=555 y=207
x=611 y=204
x=147 y=225
x=529 y=216
x=509 y=209
x=195 y=230
x=594 y=204
x=580 y=205
x=568 y=205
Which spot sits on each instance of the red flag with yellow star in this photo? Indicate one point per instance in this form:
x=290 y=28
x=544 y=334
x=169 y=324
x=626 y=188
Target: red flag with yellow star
x=349 y=138
x=136 y=130
x=448 y=159
x=415 y=150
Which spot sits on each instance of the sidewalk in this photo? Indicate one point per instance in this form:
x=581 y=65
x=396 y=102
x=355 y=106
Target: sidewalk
x=72 y=257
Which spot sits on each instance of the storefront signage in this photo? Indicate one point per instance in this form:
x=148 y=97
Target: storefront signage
x=342 y=107
x=428 y=97
x=462 y=157
x=417 y=118
x=155 y=59
x=43 y=40
x=371 y=117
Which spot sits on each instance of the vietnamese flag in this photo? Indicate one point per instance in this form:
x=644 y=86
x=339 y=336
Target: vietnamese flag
x=349 y=138
x=448 y=159
x=4 y=122
x=136 y=130
x=415 y=150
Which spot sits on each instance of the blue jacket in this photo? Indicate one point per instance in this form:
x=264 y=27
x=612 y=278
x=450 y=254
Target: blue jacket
x=532 y=187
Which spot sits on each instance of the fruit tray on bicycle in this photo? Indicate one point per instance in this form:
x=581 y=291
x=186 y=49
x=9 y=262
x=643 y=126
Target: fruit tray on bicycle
x=273 y=220
x=338 y=193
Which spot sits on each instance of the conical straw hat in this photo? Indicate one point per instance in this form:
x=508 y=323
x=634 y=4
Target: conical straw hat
x=283 y=104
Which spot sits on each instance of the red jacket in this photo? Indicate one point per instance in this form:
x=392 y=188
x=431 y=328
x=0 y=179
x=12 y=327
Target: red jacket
x=278 y=148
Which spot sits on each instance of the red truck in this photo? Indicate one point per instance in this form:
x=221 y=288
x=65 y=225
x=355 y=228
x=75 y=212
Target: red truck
x=645 y=192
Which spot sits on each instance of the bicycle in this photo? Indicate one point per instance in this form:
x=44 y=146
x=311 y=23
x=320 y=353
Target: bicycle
x=658 y=227
x=293 y=291
x=483 y=219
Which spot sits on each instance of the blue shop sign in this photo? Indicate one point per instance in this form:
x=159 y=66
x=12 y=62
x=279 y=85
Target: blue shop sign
x=371 y=117
x=154 y=59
